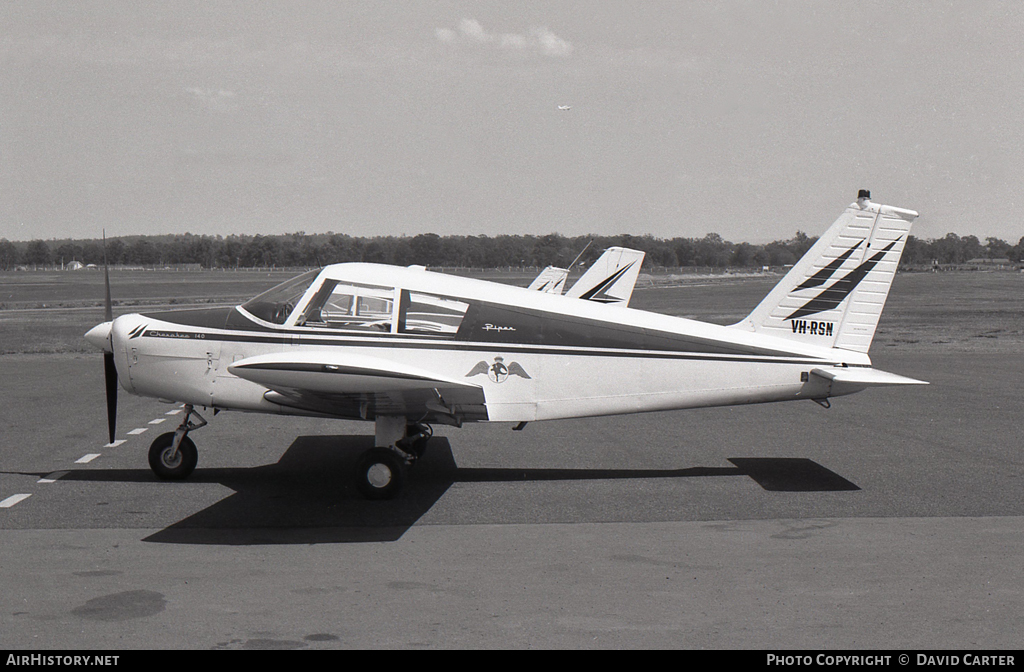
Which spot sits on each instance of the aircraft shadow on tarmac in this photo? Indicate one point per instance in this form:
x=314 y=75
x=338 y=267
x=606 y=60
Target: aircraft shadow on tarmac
x=309 y=495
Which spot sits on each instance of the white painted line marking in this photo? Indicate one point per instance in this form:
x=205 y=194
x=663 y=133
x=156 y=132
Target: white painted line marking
x=85 y=459
x=53 y=478
x=115 y=444
x=12 y=500
x=138 y=430
x=157 y=421
x=174 y=412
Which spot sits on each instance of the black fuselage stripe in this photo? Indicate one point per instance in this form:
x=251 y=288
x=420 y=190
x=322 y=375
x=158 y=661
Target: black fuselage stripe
x=488 y=347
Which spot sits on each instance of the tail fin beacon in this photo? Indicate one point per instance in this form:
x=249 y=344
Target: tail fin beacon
x=835 y=294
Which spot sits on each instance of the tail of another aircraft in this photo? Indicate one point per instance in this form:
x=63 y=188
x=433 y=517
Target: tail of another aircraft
x=551 y=280
x=835 y=294
x=611 y=278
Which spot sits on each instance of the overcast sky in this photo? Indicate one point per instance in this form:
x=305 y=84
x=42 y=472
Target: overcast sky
x=748 y=119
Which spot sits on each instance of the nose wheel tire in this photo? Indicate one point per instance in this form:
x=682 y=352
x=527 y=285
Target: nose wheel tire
x=380 y=474
x=171 y=466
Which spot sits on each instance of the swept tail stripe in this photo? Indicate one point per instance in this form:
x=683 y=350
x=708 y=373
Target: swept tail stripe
x=822 y=276
x=605 y=284
x=832 y=296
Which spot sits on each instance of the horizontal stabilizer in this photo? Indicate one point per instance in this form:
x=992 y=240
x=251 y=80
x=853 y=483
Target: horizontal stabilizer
x=844 y=380
x=864 y=376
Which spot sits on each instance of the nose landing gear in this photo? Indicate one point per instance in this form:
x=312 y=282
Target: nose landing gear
x=173 y=456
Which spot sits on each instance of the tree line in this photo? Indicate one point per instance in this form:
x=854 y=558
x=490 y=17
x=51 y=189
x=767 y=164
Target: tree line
x=428 y=249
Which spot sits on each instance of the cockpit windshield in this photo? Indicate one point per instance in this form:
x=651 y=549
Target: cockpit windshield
x=277 y=303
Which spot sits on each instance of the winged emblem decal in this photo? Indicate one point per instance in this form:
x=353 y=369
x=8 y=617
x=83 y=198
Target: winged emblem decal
x=498 y=372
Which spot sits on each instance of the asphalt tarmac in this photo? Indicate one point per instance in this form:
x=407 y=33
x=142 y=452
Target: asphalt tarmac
x=893 y=520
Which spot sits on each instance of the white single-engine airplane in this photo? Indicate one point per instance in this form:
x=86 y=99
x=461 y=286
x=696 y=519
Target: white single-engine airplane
x=405 y=347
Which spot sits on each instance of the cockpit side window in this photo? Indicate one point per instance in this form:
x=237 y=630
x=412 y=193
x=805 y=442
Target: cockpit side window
x=277 y=303
x=340 y=305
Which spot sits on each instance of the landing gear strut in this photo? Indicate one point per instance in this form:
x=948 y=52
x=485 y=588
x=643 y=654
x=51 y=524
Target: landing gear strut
x=381 y=471
x=416 y=437
x=173 y=456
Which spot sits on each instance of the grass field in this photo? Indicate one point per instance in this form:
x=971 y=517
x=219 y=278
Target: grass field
x=927 y=312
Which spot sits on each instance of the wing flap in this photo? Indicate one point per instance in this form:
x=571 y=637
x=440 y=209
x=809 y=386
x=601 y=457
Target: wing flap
x=437 y=406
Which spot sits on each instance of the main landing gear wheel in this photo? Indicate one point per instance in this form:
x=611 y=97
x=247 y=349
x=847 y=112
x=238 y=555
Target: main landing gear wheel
x=171 y=465
x=380 y=474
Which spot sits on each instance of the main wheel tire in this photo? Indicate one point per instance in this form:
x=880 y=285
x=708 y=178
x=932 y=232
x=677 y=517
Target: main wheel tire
x=172 y=469
x=380 y=474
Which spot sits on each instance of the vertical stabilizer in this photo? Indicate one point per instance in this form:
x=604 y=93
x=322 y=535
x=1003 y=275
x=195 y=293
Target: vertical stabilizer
x=611 y=278
x=835 y=294
x=551 y=280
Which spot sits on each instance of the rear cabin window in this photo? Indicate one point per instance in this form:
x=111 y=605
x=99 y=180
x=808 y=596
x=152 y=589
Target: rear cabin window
x=427 y=314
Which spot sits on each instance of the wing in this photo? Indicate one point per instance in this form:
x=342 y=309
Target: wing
x=356 y=386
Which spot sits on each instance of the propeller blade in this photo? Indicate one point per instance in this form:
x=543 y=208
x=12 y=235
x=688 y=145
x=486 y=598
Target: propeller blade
x=110 y=378
x=108 y=306
x=109 y=369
